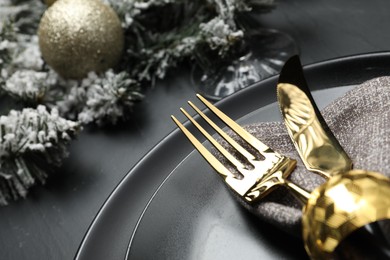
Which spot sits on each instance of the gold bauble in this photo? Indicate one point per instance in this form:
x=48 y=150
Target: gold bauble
x=79 y=36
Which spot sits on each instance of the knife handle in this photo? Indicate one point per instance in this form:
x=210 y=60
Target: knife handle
x=367 y=242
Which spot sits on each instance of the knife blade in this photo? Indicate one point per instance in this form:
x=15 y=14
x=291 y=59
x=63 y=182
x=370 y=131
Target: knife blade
x=316 y=144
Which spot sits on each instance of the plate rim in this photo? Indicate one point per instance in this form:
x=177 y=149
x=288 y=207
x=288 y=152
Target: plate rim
x=309 y=69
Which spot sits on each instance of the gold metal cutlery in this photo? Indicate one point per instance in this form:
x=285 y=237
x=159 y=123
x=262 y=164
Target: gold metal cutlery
x=349 y=200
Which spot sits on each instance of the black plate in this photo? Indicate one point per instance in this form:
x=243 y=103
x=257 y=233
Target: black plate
x=189 y=215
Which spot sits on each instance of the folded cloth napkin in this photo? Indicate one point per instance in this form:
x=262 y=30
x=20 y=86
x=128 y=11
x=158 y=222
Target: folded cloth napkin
x=360 y=120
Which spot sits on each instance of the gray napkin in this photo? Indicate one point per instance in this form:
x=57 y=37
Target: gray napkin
x=360 y=121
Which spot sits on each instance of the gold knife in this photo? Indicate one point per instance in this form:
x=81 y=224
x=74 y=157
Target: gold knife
x=341 y=210
x=317 y=146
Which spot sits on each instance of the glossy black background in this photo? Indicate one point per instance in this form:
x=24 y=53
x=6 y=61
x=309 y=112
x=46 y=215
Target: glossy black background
x=52 y=222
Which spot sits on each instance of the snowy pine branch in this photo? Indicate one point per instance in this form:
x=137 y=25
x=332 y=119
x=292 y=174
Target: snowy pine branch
x=31 y=140
x=7 y=43
x=109 y=98
x=100 y=99
x=24 y=13
x=27 y=85
x=159 y=35
x=162 y=33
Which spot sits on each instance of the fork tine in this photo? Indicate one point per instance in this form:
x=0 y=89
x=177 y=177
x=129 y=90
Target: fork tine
x=250 y=139
x=225 y=136
x=214 y=142
x=217 y=165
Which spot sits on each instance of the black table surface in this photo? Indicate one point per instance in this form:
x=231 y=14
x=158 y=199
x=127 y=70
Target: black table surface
x=52 y=221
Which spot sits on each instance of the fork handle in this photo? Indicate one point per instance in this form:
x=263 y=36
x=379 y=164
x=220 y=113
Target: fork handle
x=301 y=194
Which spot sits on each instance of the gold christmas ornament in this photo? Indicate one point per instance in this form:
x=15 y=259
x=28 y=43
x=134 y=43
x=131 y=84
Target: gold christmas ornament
x=79 y=36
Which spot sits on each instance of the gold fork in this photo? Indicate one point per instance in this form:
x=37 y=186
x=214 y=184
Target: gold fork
x=254 y=182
